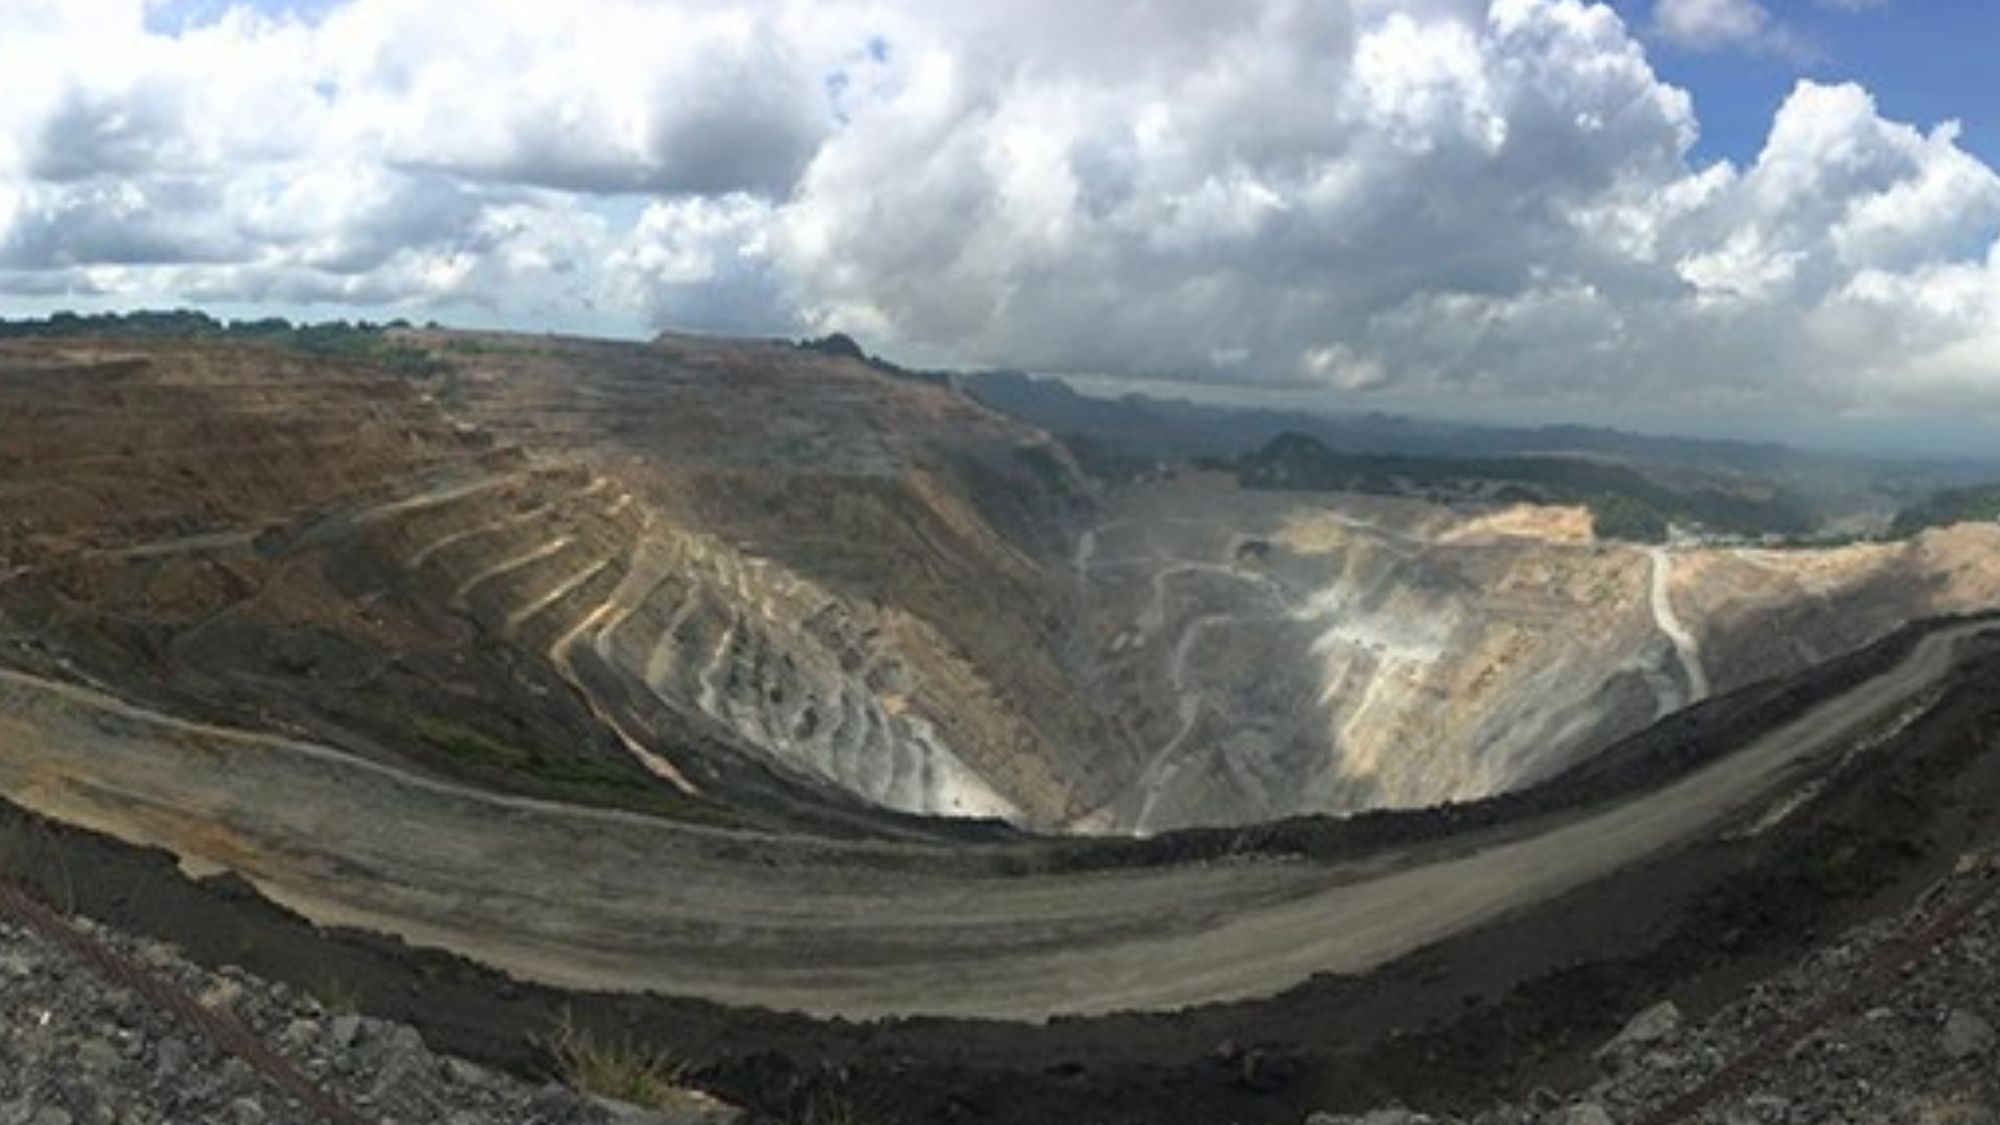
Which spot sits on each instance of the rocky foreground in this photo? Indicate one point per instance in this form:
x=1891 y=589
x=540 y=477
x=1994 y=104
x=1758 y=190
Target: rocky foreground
x=79 y=1048
x=1894 y=1021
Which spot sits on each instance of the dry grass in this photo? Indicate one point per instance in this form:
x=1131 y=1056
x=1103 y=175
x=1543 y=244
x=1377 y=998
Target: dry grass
x=620 y=1069
x=829 y=1109
x=336 y=995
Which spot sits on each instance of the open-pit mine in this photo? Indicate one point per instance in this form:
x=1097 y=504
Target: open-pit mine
x=740 y=673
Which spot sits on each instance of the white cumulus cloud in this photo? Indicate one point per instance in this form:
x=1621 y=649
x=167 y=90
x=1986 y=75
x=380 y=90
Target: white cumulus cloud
x=1457 y=201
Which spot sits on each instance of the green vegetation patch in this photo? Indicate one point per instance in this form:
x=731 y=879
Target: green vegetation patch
x=560 y=774
x=1622 y=517
x=363 y=340
x=1624 y=503
x=476 y=749
x=1048 y=472
x=1942 y=509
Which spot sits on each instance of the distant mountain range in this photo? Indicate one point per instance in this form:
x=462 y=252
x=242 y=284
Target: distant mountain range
x=1180 y=428
x=1119 y=437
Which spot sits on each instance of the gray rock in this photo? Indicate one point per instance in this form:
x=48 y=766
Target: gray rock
x=299 y=1035
x=1582 y=1113
x=98 y=1055
x=1965 y=1035
x=393 y=1076
x=550 y=1099
x=404 y=1041
x=464 y=1073
x=222 y=995
x=345 y=1031
x=1767 y=1107
x=1654 y=1025
x=1958 y=1113
x=170 y=1058
x=157 y=955
x=700 y=1110
x=51 y=1115
x=1662 y=1060
x=246 y=1111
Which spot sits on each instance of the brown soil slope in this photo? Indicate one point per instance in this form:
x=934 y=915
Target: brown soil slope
x=601 y=603
x=751 y=583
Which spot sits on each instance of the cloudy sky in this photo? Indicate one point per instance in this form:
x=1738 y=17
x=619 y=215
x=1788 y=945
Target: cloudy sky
x=1717 y=215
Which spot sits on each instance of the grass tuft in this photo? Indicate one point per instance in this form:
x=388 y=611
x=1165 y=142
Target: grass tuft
x=620 y=1069
x=826 y=1108
x=336 y=995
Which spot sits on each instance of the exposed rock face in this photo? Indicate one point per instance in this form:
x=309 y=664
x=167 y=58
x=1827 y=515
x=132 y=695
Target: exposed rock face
x=1373 y=654
x=571 y=567
x=1283 y=653
x=1763 y=612
x=749 y=583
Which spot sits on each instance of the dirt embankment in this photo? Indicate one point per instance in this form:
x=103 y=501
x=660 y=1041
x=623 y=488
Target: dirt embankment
x=863 y=930
x=1509 y=1005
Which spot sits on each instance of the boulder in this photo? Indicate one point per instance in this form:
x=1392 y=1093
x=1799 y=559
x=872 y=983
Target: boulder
x=1966 y=1036
x=1654 y=1025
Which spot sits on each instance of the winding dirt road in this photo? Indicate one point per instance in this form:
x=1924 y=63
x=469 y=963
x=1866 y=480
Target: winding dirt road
x=1686 y=648
x=607 y=900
